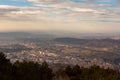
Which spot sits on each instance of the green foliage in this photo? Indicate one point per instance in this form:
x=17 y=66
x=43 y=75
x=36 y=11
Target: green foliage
x=31 y=71
x=92 y=73
x=23 y=70
x=3 y=59
x=5 y=68
x=34 y=71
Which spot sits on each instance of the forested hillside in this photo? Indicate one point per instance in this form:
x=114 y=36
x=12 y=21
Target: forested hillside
x=34 y=71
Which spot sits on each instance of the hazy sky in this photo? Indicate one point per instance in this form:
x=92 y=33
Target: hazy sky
x=67 y=15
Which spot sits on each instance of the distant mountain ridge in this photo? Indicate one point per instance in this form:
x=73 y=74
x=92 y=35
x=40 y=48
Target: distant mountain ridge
x=80 y=41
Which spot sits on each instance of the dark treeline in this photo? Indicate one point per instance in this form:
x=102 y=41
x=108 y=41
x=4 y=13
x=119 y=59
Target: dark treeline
x=34 y=71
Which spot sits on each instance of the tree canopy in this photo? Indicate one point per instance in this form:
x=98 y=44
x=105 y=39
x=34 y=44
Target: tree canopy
x=35 y=71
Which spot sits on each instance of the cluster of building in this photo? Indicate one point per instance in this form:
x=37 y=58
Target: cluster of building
x=56 y=53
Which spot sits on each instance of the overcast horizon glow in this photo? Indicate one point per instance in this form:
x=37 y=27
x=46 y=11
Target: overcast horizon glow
x=67 y=15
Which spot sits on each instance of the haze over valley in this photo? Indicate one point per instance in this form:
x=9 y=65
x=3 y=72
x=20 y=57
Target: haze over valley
x=61 y=49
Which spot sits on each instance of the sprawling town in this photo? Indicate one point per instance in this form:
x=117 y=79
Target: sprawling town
x=65 y=51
